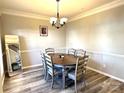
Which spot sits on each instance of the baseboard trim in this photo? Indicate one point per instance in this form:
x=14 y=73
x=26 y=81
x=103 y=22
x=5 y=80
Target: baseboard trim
x=106 y=74
x=32 y=66
x=101 y=72
x=3 y=79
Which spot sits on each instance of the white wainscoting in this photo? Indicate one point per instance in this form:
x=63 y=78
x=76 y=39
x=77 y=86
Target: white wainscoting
x=109 y=64
x=31 y=58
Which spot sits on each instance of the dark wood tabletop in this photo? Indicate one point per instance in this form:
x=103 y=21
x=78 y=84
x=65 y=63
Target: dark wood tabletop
x=63 y=59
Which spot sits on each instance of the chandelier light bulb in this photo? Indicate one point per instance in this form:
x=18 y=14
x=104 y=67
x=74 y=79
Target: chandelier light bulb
x=63 y=20
x=53 y=20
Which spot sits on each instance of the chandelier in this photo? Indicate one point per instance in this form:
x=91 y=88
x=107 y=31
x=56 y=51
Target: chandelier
x=57 y=21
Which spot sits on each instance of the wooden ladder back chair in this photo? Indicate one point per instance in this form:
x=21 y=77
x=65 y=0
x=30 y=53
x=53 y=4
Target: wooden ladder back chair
x=50 y=50
x=80 y=70
x=51 y=69
x=71 y=51
x=81 y=67
x=49 y=64
x=80 y=52
x=44 y=65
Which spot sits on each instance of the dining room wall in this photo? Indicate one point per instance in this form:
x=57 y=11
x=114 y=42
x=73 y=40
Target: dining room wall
x=1 y=62
x=31 y=43
x=102 y=35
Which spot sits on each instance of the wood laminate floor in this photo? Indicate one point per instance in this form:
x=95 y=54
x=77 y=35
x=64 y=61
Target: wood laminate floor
x=32 y=81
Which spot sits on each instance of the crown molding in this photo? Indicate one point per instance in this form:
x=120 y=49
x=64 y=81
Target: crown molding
x=24 y=14
x=102 y=8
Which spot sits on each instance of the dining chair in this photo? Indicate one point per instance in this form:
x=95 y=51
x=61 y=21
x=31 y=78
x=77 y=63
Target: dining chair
x=44 y=65
x=79 y=72
x=50 y=50
x=80 y=52
x=51 y=70
x=71 y=51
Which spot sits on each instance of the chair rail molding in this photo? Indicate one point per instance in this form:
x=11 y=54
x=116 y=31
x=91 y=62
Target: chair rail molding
x=88 y=51
x=41 y=50
x=31 y=50
x=105 y=53
x=114 y=4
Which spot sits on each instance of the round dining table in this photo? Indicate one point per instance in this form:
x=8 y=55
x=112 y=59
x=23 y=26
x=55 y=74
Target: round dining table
x=63 y=60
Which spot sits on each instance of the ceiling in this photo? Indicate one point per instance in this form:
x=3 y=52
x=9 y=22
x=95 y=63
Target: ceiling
x=68 y=8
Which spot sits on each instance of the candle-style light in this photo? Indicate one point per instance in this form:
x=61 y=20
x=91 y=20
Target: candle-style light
x=57 y=21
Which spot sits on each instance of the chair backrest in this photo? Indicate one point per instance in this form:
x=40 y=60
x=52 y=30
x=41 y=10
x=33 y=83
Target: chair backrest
x=71 y=51
x=43 y=60
x=49 y=50
x=80 y=52
x=81 y=67
x=49 y=64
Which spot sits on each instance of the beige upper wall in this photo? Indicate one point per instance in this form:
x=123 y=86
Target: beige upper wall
x=28 y=30
x=102 y=36
x=30 y=39
x=1 y=62
x=99 y=32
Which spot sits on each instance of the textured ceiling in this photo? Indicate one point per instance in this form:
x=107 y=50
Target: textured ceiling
x=68 y=8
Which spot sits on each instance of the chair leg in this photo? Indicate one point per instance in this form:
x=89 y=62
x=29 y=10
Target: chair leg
x=47 y=76
x=84 y=81
x=44 y=74
x=52 y=82
x=76 y=86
